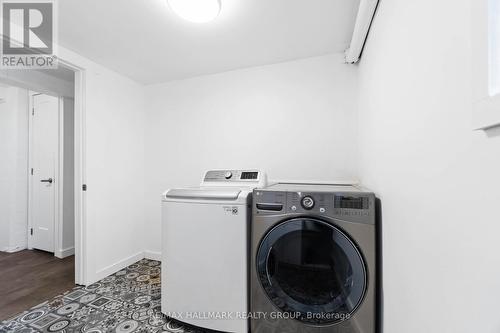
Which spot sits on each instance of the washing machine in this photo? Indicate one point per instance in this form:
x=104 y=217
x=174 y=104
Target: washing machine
x=205 y=249
x=313 y=259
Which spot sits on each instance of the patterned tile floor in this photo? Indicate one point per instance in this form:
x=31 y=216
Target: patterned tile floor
x=127 y=301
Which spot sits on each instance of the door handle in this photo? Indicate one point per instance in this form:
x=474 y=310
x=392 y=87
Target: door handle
x=47 y=180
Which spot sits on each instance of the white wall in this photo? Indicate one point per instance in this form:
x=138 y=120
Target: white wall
x=295 y=120
x=18 y=233
x=438 y=180
x=113 y=170
x=13 y=169
x=7 y=165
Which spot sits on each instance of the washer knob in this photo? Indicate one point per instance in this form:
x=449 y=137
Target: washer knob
x=307 y=202
x=228 y=175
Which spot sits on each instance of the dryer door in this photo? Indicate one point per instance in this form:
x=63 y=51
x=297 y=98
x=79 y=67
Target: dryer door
x=311 y=270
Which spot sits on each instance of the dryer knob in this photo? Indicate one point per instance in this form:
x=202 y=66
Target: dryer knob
x=307 y=202
x=228 y=175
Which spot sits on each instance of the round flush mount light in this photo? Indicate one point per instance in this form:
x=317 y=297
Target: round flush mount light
x=198 y=11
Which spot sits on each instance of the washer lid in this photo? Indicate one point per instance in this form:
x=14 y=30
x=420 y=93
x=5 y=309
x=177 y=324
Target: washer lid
x=204 y=193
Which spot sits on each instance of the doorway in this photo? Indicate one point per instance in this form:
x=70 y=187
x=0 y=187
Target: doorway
x=41 y=250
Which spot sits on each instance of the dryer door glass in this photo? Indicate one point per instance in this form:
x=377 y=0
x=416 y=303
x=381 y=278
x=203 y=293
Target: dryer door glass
x=311 y=270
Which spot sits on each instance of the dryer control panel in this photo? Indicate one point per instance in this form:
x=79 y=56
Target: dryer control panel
x=350 y=204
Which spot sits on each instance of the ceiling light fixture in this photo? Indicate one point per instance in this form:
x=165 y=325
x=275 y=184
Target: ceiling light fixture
x=199 y=11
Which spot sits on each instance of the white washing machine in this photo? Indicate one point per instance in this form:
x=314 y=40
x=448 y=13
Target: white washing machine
x=205 y=237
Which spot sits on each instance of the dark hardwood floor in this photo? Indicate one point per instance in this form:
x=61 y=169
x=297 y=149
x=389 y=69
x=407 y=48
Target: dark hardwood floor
x=28 y=278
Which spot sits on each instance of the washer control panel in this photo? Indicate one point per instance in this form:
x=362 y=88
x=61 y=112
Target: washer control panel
x=234 y=178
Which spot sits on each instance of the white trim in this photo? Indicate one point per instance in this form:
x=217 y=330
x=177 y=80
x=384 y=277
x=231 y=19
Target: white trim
x=12 y=249
x=486 y=110
x=364 y=19
x=39 y=81
x=63 y=253
x=30 y=159
x=59 y=197
x=102 y=273
x=153 y=255
x=81 y=264
x=111 y=269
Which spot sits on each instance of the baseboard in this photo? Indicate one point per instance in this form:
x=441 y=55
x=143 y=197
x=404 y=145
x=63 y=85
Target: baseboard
x=111 y=269
x=13 y=249
x=153 y=255
x=65 y=252
x=102 y=273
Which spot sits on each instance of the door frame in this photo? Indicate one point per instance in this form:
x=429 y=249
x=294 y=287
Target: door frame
x=79 y=173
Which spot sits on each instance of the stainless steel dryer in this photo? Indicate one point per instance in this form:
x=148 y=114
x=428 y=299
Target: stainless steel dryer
x=313 y=265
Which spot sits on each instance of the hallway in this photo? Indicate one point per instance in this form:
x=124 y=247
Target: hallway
x=31 y=277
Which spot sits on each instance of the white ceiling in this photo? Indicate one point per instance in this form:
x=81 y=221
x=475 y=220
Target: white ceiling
x=146 y=41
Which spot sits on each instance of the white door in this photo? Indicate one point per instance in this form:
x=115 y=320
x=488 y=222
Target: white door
x=45 y=138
